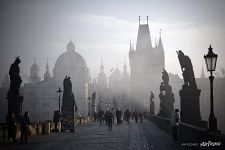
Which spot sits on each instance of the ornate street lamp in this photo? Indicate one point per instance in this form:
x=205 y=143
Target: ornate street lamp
x=59 y=96
x=210 y=60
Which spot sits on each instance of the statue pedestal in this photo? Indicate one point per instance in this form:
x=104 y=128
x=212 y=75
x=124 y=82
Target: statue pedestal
x=15 y=104
x=190 y=107
x=166 y=105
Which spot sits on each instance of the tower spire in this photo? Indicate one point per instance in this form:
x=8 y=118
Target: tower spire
x=101 y=60
x=47 y=67
x=130 y=46
x=139 y=19
x=47 y=74
x=160 y=45
x=125 y=73
x=160 y=33
x=147 y=19
x=101 y=67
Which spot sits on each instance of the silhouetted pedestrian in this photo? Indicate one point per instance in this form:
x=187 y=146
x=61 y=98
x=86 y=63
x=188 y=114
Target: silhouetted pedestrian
x=109 y=117
x=100 y=116
x=11 y=122
x=118 y=116
x=24 y=125
x=175 y=123
x=136 y=116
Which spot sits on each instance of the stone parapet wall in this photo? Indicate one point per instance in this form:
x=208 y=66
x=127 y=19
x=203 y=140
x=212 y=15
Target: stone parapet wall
x=189 y=133
x=38 y=128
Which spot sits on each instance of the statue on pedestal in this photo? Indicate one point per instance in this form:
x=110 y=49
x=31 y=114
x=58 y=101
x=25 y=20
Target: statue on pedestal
x=68 y=106
x=14 y=98
x=189 y=94
x=187 y=70
x=15 y=79
x=166 y=97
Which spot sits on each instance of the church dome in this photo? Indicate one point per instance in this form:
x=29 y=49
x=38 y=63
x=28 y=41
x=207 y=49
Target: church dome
x=70 y=58
x=34 y=67
x=34 y=73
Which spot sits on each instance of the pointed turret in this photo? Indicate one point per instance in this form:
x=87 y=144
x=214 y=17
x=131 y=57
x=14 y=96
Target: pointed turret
x=47 y=74
x=125 y=72
x=102 y=80
x=101 y=67
x=160 y=45
x=131 y=47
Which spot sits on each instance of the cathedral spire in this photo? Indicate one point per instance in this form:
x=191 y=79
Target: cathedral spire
x=47 y=67
x=139 y=19
x=131 y=47
x=125 y=73
x=147 y=19
x=160 y=45
x=101 y=67
x=47 y=74
x=125 y=63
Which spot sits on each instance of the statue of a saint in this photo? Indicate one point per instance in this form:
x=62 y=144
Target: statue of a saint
x=187 y=69
x=15 y=79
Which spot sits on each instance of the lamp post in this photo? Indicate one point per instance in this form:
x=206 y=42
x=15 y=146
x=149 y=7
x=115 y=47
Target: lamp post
x=59 y=96
x=210 y=60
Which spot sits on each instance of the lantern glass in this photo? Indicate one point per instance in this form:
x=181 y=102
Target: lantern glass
x=59 y=92
x=210 y=60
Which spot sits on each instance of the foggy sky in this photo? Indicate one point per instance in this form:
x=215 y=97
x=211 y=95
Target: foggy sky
x=42 y=29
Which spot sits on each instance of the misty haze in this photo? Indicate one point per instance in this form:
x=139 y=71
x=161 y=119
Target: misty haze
x=116 y=74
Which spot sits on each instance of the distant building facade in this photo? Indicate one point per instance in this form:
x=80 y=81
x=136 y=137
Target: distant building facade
x=146 y=65
x=72 y=64
x=40 y=96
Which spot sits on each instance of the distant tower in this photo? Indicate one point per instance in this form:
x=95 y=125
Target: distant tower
x=34 y=73
x=202 y=73
x=47 y=75
x=160 y=52
x=102 y=80
x=146 y=64
x=125 y=72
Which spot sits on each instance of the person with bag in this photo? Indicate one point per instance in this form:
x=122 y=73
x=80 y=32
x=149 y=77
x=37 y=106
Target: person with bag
x=25 y=126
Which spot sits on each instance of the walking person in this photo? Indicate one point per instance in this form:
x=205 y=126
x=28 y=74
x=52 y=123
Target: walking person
x=109 y=117
x=136 y=116
x=175 y=122
x=24 y=125
x=100 y=114
x=11 y=122
x=117 y=116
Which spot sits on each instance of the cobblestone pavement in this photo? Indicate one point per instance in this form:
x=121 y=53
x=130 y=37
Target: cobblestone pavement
x=133 y=136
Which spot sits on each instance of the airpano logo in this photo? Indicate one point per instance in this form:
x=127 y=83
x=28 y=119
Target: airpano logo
x=210 y=143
